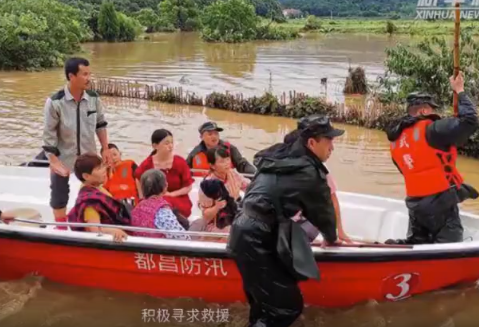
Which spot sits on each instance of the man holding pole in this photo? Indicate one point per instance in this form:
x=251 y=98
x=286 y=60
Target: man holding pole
x=424 y=149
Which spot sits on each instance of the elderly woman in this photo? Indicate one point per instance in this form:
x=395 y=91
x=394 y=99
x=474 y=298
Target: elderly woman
x=154 y=211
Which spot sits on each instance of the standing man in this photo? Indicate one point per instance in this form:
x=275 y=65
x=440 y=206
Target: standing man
x=73 y=116
x=311 y=230
x=291 y=177
x=424 y=149
x=210 y=138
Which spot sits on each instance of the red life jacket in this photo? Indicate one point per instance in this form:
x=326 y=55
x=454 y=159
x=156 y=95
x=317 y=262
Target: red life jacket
x=426 y=170
x=200 y=162
x=121 y=183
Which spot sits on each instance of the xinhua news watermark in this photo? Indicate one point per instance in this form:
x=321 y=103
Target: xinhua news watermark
x=185 y=316
x=444 y=9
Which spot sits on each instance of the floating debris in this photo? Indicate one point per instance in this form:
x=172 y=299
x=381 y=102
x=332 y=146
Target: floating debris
x=356 y=82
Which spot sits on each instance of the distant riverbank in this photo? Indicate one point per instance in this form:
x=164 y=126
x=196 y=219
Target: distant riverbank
x=379 y=26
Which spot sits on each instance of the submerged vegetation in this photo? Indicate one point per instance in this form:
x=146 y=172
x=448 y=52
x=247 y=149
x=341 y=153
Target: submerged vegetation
x=38 y=33
x=427 y=65
x=384 y=26
x=423 y=66
x=236 y=21
x=293 y=105
x=356 y=82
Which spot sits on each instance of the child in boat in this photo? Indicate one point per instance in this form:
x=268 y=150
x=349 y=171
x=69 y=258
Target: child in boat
x=154 y=211
x=218 y=209
x=121 y=181
x=94 y=203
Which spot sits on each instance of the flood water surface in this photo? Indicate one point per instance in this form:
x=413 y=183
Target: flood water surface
x=360 y=163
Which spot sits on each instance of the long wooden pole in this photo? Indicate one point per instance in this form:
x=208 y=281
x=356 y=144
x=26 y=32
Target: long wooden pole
x=457 y=29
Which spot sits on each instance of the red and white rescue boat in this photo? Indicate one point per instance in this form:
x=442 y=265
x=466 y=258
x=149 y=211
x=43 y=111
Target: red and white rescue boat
x=199 y=269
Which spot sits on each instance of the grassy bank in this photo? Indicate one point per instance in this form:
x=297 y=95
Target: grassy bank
x=378 y=26
x=292 y=105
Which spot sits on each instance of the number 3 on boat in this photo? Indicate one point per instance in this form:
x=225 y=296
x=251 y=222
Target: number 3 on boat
x=400 y=287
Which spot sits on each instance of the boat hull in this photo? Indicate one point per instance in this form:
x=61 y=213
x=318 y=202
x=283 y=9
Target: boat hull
x=175 y=268
x=214 y=278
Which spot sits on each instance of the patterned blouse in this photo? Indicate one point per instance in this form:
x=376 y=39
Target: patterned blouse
x=165 y=219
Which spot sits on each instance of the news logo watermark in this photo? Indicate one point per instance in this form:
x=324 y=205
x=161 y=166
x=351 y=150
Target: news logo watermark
x=445 y=9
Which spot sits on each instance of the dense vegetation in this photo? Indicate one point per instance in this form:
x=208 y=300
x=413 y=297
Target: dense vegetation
x=38 y=33
x=385 y=26
x=126 y=6
x=354 y=8
x=427 y=65
x=236 y=21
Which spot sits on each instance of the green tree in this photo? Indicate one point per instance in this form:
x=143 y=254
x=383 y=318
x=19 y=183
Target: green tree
x=92 y=22
x=37 y=34
x=148 y=18
x=108 y=22
x=129 y=7
x=312 y=23
x=230 y=21
x=181 y=14
x=270 y=9
x=204 y=3
x=129 y=28
x=427 y=66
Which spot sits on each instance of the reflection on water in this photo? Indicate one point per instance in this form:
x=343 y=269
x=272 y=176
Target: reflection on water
x=184 y=60
x=360 y=163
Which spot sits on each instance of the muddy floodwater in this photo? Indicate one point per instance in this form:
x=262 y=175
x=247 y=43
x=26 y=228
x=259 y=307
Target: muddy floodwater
x=360 y=163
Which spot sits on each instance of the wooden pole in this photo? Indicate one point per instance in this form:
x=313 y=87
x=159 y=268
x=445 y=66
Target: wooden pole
x=457 y=30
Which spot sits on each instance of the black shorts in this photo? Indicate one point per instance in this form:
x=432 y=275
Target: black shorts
x=60 y=191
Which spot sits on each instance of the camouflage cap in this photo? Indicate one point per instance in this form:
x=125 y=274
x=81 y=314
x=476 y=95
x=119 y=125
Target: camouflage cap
x=419 y=98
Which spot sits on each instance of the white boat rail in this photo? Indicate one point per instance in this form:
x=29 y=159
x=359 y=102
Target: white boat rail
x=190 y=233
x=43 y=224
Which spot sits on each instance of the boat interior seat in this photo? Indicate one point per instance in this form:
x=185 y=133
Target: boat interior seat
x=373 y=223
x=394 y=225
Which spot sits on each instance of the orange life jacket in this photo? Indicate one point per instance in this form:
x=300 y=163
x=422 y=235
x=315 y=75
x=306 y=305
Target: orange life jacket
x=200 y=162
x=121 y=183
x=426 y=170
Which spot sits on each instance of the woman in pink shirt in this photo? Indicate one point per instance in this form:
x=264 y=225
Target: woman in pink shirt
x=332 y=185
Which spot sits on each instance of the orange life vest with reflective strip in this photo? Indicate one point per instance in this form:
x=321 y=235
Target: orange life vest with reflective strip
x=426 y=170
x=121 y=183
x=200 y=162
